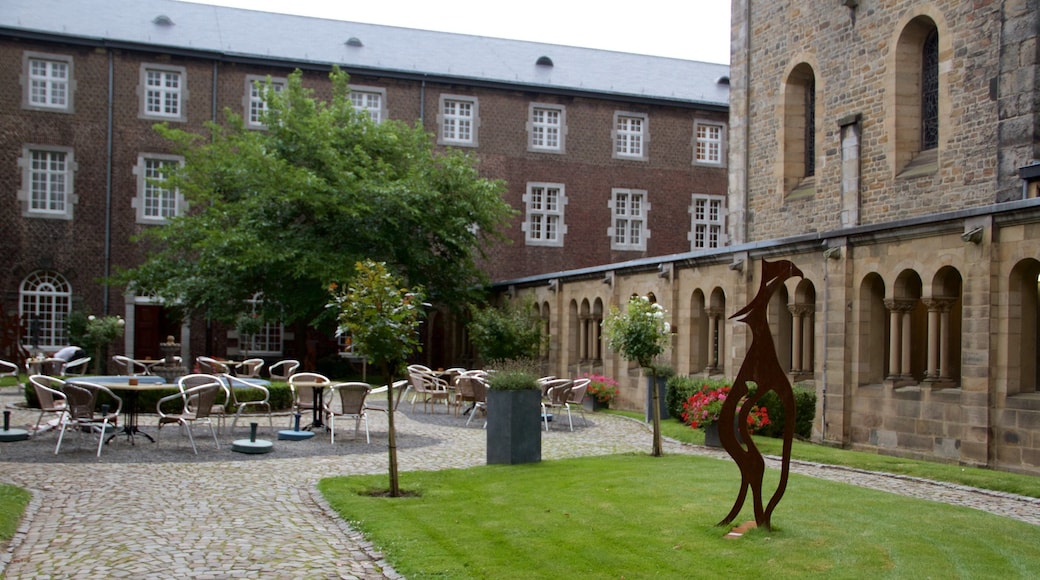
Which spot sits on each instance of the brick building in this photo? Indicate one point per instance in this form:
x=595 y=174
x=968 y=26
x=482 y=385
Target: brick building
x=605 y=153
x=889 y=149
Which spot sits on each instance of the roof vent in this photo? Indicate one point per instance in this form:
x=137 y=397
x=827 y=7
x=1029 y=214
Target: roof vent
x=354 y=41
x=163 y=20
x=544 y=61
x=723 y=80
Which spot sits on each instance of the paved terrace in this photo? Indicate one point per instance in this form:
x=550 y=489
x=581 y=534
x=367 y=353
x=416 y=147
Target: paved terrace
x=158 y=511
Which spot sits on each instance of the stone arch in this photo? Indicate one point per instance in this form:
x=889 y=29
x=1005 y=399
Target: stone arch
x=716 y=313
x=871 y=366
x=779 y=317
x=1023 y=316
x=907 y=330
x=944 y=315
x=803 y=335
x=698 y=332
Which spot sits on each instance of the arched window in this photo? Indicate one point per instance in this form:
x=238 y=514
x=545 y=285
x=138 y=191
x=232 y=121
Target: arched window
x=45 y=301
x=799 y=163
x=913 y=113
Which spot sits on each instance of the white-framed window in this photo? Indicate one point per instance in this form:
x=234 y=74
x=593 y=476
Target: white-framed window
x=543 y=222
x=369 y=99
x=156 y=201
x=546 y=128
x=164 y=92
x=708 y=223
x=48 y=82
x=629 y=208
x=47 y=182
x=256 y=89
x=458 y=120
x=630 y=135
x=266 y=342
x=44 y=304
x=709 y=144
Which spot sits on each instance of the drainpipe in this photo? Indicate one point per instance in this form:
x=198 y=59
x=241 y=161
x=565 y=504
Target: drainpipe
x=107 y=266
x=422 y=104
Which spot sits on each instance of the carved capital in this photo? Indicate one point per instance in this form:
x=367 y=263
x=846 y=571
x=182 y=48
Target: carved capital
x=939 y=303
x=801 y=309
x=900 y=304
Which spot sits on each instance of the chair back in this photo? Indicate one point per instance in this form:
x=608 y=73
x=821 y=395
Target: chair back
x=351 y=397
x=8 y=369
x=479 y=386
x=234 y=383
x=211 y=365
x=577 y=392
x=49 y=391
x=559 y=394
x=76 y=367
x=199 y=400
x=550 y=384
x=80 y=401
x=283 y=369
x=305 y=395
x=250 y=368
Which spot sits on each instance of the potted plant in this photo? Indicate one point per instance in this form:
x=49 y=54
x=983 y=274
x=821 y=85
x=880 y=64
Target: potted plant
x=702 y=410
x=600 y=392
x=514 y=421
x=640 y=334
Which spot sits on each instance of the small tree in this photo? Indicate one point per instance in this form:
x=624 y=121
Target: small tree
x=383 y=320
x=94 y=334
x=508 y=333
x=640 y=334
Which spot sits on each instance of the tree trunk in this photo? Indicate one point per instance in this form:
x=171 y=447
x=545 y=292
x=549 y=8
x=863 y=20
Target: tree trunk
x=656 y=413
x=395 y=487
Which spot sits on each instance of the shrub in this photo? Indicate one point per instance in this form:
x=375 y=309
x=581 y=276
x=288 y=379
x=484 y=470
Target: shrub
x=805 y=412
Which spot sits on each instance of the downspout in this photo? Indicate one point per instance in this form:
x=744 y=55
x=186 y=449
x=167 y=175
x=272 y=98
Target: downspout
x=107 y=266
x=422 y=104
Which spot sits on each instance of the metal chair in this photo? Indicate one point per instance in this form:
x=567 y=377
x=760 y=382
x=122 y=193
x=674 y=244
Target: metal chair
x=128 y=366
x=196 y=406
x=50 y=396
x=8 y=369
x=76 y=367
x=81 y=413
x=250 y=368
x=283 y=369
x=211 y=366
x=236 y=384
x=351 y=397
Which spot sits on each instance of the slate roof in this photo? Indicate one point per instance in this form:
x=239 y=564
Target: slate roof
x=249 y=35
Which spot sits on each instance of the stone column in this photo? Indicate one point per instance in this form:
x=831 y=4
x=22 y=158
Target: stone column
x=939 y=338
x=714 y=315
x=796 y=337
x=899 y=337
x=583 y=337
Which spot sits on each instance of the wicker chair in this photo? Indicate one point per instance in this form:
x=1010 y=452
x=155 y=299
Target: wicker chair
x=196 y=405
x=81 y=413
x=351 y=398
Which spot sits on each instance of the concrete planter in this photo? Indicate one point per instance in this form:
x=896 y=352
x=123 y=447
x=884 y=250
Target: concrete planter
x=514 y=427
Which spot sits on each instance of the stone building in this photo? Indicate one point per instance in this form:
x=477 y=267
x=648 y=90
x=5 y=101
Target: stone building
x=604 y=153
x=889 y=148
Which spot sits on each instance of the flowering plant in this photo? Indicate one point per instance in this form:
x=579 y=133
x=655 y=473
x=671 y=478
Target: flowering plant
x=704 y=407
x=601 y=388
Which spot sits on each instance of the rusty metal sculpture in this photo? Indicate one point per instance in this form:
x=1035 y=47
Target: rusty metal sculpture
x=762 y=368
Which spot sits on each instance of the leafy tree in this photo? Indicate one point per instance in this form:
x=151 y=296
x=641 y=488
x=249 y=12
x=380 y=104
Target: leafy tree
x=508 y=333
x=284 y=210
x=383 y=320
x=640 y=334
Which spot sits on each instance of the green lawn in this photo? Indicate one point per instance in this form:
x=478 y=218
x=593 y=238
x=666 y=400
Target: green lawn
x=634 y=516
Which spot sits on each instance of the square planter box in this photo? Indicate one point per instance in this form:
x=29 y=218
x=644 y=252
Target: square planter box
x=514 y=427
